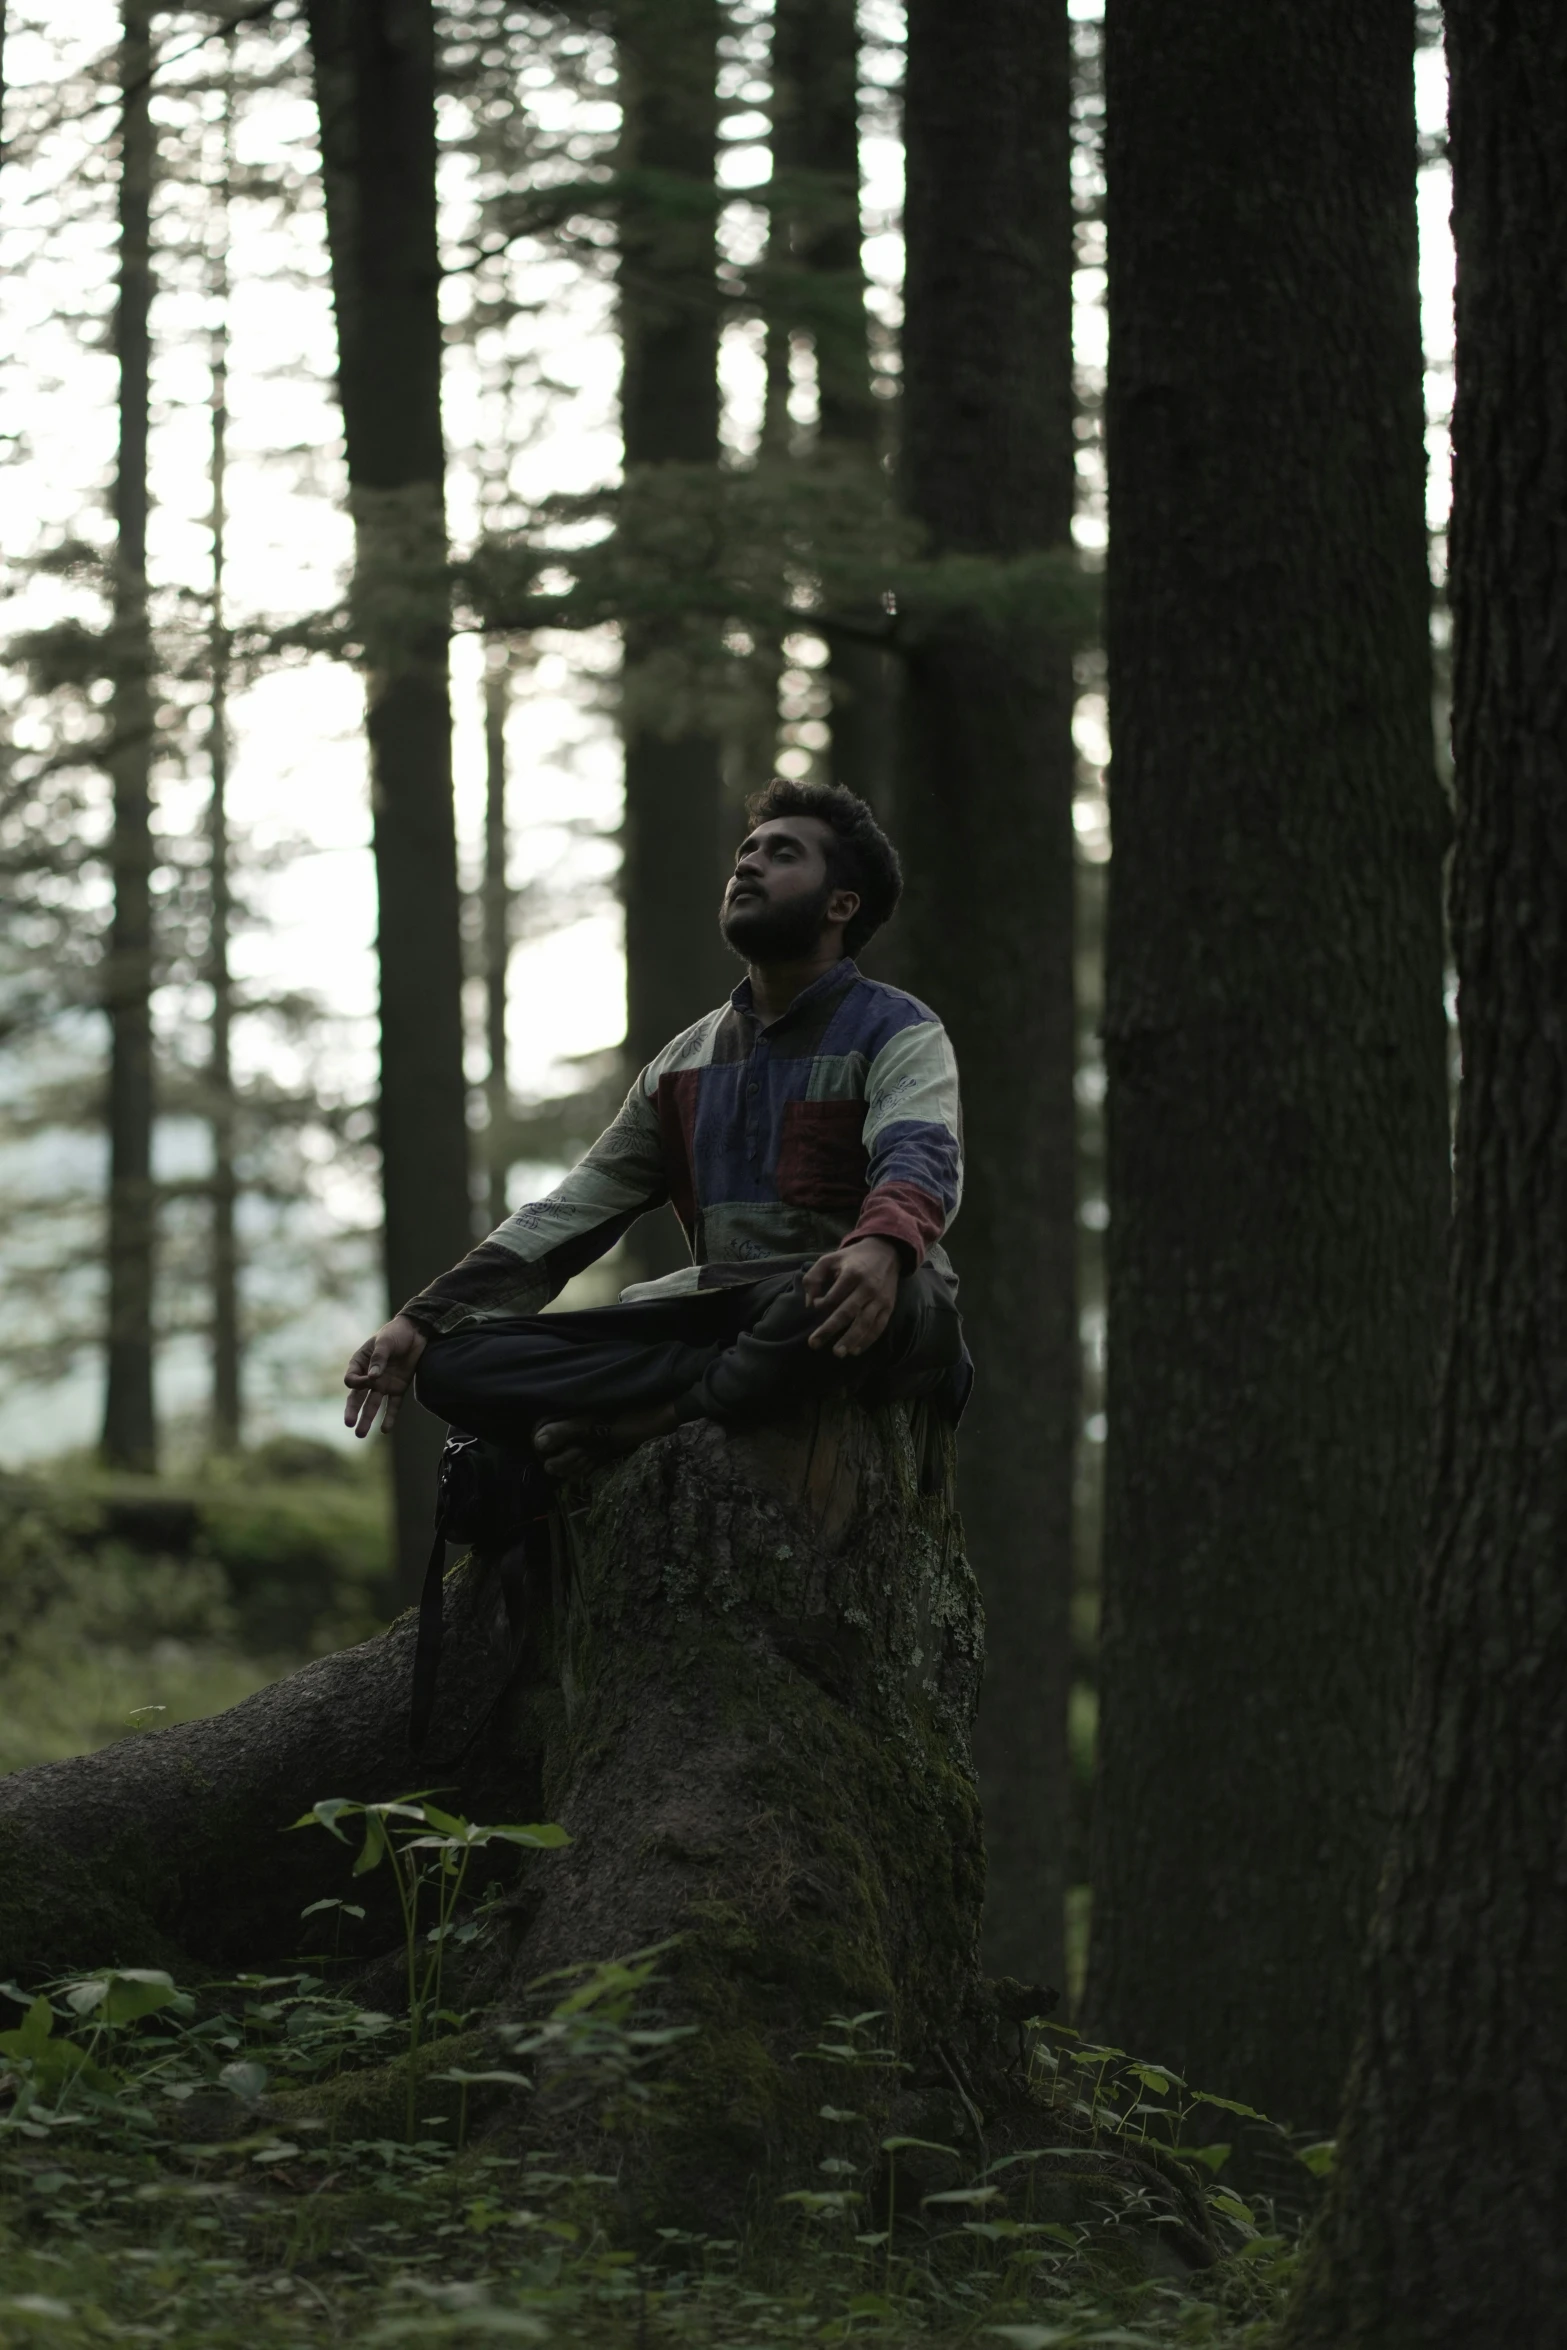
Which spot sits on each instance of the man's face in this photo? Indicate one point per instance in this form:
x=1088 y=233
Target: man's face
x=780 y=896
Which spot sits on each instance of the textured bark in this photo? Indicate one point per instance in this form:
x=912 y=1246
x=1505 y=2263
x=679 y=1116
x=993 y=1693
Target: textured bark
x=749 y=1702
x=374 y=63
x=221 y=1120
x=1277 y=1115
x=129 y=1424
x=985 y=821
x=675 y=965
x=817 y=286
x=1445 y=2224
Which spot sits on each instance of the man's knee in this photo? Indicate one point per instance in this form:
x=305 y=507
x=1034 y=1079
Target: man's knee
x=923 y=1332
x=787 y=1317
x=454 y=1369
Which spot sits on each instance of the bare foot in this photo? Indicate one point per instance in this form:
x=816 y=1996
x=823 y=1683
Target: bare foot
x=570 y=1448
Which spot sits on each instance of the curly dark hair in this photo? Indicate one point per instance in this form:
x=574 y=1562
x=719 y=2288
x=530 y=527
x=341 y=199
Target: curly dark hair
x=860 y=856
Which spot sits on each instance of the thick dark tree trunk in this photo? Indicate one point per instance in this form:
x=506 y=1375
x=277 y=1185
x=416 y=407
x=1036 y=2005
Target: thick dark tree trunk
x=985 y=822
x=1277 y=1113
x=675 y=965
x=375 y=90
x=129 y=1425
x=748 y=1701
x=221 y=1121
x=819 y=282
x=1445 y=2224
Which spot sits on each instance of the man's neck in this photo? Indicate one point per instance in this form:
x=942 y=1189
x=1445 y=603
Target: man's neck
x=774 y=986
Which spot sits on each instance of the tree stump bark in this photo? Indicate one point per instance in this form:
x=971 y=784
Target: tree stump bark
x=748 y=1699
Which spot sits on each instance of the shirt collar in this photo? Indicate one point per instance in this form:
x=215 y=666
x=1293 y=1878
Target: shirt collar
x=840 y=974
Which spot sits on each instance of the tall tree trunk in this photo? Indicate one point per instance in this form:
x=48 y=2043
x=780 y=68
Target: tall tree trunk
x=225 y=1332
x=129 y=1426
x=985 y=816
x=675 y=966
x=817 y=265
x=1444 y=2227
x=496 y=924
x=1277 y=1113
x=375 y=91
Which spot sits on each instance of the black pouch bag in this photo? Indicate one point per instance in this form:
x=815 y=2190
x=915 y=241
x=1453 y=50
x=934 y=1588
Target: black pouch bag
x=495 y=1501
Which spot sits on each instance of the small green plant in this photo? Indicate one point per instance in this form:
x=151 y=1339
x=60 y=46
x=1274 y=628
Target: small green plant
x=429 y=1852
x=592 y=2043
x=45 y=2063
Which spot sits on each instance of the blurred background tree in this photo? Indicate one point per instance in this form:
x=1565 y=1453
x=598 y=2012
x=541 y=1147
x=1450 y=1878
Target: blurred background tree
x=375 y=77
x=986 y=780
x=129 y=1424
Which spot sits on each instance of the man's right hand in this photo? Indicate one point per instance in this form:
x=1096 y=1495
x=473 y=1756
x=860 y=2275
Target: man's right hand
x=382 y=1372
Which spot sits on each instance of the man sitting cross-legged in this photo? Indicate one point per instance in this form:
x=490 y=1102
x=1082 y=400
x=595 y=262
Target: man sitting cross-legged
x=808 y=1135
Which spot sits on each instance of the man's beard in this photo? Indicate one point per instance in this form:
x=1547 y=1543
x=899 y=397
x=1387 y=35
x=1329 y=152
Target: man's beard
x=761 y=933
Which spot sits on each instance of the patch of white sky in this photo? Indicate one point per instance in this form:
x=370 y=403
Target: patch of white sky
x=542 y=387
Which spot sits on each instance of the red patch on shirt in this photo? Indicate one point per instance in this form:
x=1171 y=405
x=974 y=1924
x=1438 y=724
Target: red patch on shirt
x=901 y=1211
x=821 y=1157
x=675 y=1102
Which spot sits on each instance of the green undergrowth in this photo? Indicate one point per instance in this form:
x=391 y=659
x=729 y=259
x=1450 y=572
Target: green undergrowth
x=128 y=1603
x=235 y=2164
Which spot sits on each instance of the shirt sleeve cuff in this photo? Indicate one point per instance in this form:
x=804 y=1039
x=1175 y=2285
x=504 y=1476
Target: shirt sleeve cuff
x=902 y=1213
x=432 y=1317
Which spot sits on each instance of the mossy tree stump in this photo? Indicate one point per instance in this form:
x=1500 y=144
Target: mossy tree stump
x=748 y=1698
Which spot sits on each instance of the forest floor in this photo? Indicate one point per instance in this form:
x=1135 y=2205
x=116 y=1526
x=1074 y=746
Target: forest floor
x=177 y=2165
x=170 y=2172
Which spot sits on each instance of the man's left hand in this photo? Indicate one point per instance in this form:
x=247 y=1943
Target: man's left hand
x=855 y=1289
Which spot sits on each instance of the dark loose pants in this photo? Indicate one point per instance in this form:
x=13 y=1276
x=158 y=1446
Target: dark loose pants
x=732 y=1354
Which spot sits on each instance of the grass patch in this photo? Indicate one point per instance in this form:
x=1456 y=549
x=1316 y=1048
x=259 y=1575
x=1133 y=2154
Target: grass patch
x=129 y=1603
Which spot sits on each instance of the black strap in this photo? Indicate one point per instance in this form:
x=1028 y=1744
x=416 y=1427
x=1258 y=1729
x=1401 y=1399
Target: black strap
x=427 y=1648
x=513 y=1573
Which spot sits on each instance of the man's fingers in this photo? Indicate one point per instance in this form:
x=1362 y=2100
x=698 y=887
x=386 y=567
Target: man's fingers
x=378 y=1383
x=843 y=1286
x=863 y=1336
x=866 y=1327
x=856 y=1324
x=824 y=1278
x=832 y=1326
x=843 y=1305
x=851 y=1300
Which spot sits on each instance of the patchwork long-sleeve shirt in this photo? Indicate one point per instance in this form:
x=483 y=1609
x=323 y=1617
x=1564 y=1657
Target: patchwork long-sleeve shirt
x=774 y=1142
